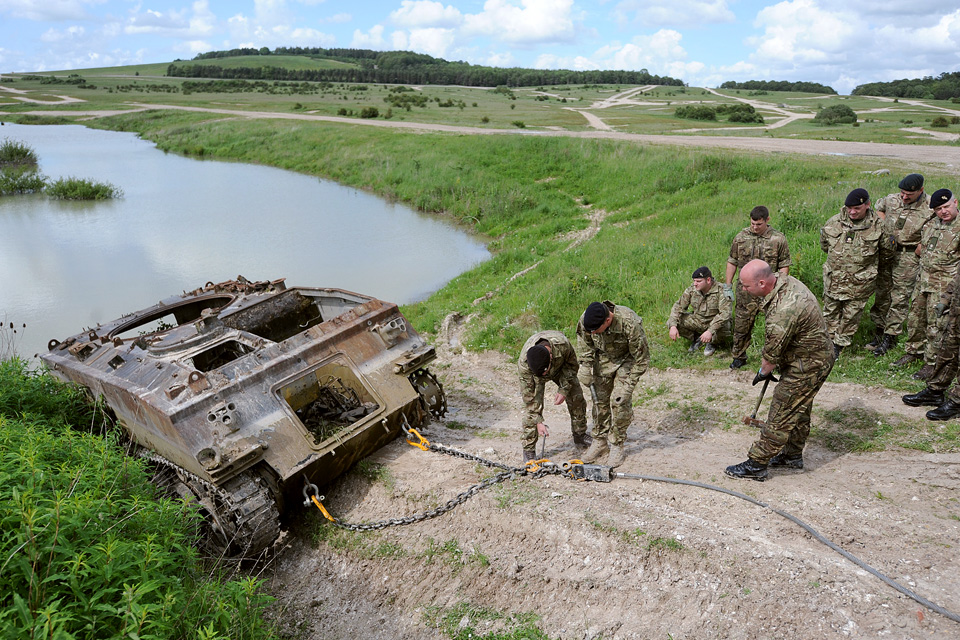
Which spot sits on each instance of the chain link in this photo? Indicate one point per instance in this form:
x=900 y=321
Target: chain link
x=508 y=473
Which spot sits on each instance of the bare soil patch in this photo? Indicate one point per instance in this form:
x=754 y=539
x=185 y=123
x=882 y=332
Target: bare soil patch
x=631 y=558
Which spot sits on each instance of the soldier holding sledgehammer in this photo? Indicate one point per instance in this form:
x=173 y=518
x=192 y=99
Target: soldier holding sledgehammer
x=797 y=344
x=613 y=353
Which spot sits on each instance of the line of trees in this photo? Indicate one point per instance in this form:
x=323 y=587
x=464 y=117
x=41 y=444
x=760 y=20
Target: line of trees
x=404 y=67
x=946 y=86
x=779 y=85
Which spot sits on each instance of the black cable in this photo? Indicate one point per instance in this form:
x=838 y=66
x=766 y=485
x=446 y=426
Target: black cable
x=846 y=554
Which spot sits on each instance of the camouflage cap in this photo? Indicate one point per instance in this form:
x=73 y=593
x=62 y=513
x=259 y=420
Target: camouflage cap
x=912 y=182
x=702 y=272
x=940 y=197
x=856 y=198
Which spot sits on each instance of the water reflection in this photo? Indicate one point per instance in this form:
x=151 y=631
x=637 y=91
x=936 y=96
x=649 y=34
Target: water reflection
x=183 y=222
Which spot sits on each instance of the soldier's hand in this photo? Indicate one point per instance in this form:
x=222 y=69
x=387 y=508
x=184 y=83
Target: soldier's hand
x=559 y=398
x=760 y=377
x=727 y=291
x=585 y=376
x=706 y=337
x=542 y=429
x=674 y=333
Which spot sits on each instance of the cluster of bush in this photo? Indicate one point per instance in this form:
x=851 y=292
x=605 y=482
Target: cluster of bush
x=735 y=112
x=19 y=173
x=836 y=114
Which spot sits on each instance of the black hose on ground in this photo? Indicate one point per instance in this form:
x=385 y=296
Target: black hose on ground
x=846 y=554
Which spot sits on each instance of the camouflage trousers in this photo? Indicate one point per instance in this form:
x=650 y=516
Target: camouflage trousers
x=691 y=329
x=948 y=359
x=613 y=407
x=576 y=406
x=788 y=423
x=923 y=336
x=744 y=317
x=842 y=317
x=896 y=280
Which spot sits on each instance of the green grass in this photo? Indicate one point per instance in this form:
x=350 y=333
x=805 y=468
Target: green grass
x=462 y=622
x=81 y=189
x=89 y=550
x=858 y=430
x=16 y=180
x=14 y=153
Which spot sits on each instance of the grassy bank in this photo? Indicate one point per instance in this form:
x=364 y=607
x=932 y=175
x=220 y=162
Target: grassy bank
x=88 y=549
x=665 y=212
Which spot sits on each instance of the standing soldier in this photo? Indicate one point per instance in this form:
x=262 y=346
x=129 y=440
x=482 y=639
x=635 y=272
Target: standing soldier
x=548 y=355
x=948 y=358
x=759 y=241
x=797 y=344
x=904 y=214
x=851 y=240
x=613 y=354
x=708 y=321
x=939 y=243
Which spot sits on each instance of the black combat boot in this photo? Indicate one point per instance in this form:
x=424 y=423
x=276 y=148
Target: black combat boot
x=583 y=440
x=907 y=358
x=836 y=350
x=694 y=346
x=926 y=398
x=750 y=469
x=946 y=411
x=877 y=339
x=738 y=362
x=888 y=343
x=793 y=462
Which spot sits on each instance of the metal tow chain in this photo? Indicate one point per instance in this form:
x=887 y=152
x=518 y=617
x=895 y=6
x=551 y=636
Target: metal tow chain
x=533 y=469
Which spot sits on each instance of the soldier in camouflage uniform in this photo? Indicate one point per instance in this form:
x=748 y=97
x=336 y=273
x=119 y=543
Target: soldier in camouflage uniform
x=940 y=241
x=797 y=344
x=613 y=353
x=948 y=363
x=904 y=214
x=709 y=318
x=759 y=241
x=851 y=240
x=549 y=356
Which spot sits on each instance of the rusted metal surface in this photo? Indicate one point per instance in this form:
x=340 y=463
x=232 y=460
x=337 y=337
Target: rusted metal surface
x=257 y=379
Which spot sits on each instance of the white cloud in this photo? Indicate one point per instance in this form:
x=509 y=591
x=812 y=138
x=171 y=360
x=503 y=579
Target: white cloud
x=673 y=12
x=48 y=10
x=576 y=63
x=400 y=41
x=338 y=18
x=197 y=21
x=435 y=42
x=372 y=39
x=800 y=32
x=61 y=35
x=535 y=21
x=500 y=60
x=425 y=14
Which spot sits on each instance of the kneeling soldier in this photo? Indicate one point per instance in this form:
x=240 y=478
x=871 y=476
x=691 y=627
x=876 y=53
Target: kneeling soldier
x=708 y=322
x=548 y=355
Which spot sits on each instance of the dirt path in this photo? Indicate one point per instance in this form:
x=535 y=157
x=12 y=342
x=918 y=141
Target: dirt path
x=636 y=559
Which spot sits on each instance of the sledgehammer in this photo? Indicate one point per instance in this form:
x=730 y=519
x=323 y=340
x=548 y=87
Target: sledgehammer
x=751 y=420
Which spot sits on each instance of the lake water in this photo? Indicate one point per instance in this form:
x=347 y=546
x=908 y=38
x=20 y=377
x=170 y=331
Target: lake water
x=183 y=222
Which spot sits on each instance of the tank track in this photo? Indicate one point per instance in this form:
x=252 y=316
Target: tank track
x=240 y=519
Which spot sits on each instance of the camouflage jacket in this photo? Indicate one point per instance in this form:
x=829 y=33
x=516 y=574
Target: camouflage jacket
x=902 y=223
x=771 y=246
x=623 y=344
x=938 y=255
x=853 y=250
x=796 y=333
x=563 y=371
x=712 y=308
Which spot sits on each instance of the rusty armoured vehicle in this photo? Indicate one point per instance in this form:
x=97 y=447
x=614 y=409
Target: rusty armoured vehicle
x=243 y=392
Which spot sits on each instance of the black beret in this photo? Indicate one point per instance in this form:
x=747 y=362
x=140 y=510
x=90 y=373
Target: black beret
x=702 y=272
x=940 y=197
x=595 y=315
x=912 y=182
x=538 y=358
x=856 y=198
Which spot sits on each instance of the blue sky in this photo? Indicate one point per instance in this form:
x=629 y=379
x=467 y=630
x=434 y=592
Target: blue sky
x=703 y=42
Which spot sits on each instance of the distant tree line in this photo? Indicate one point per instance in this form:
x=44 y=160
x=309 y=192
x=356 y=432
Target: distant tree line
x=404 y=67
x=944 y=87
x=779 y=85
